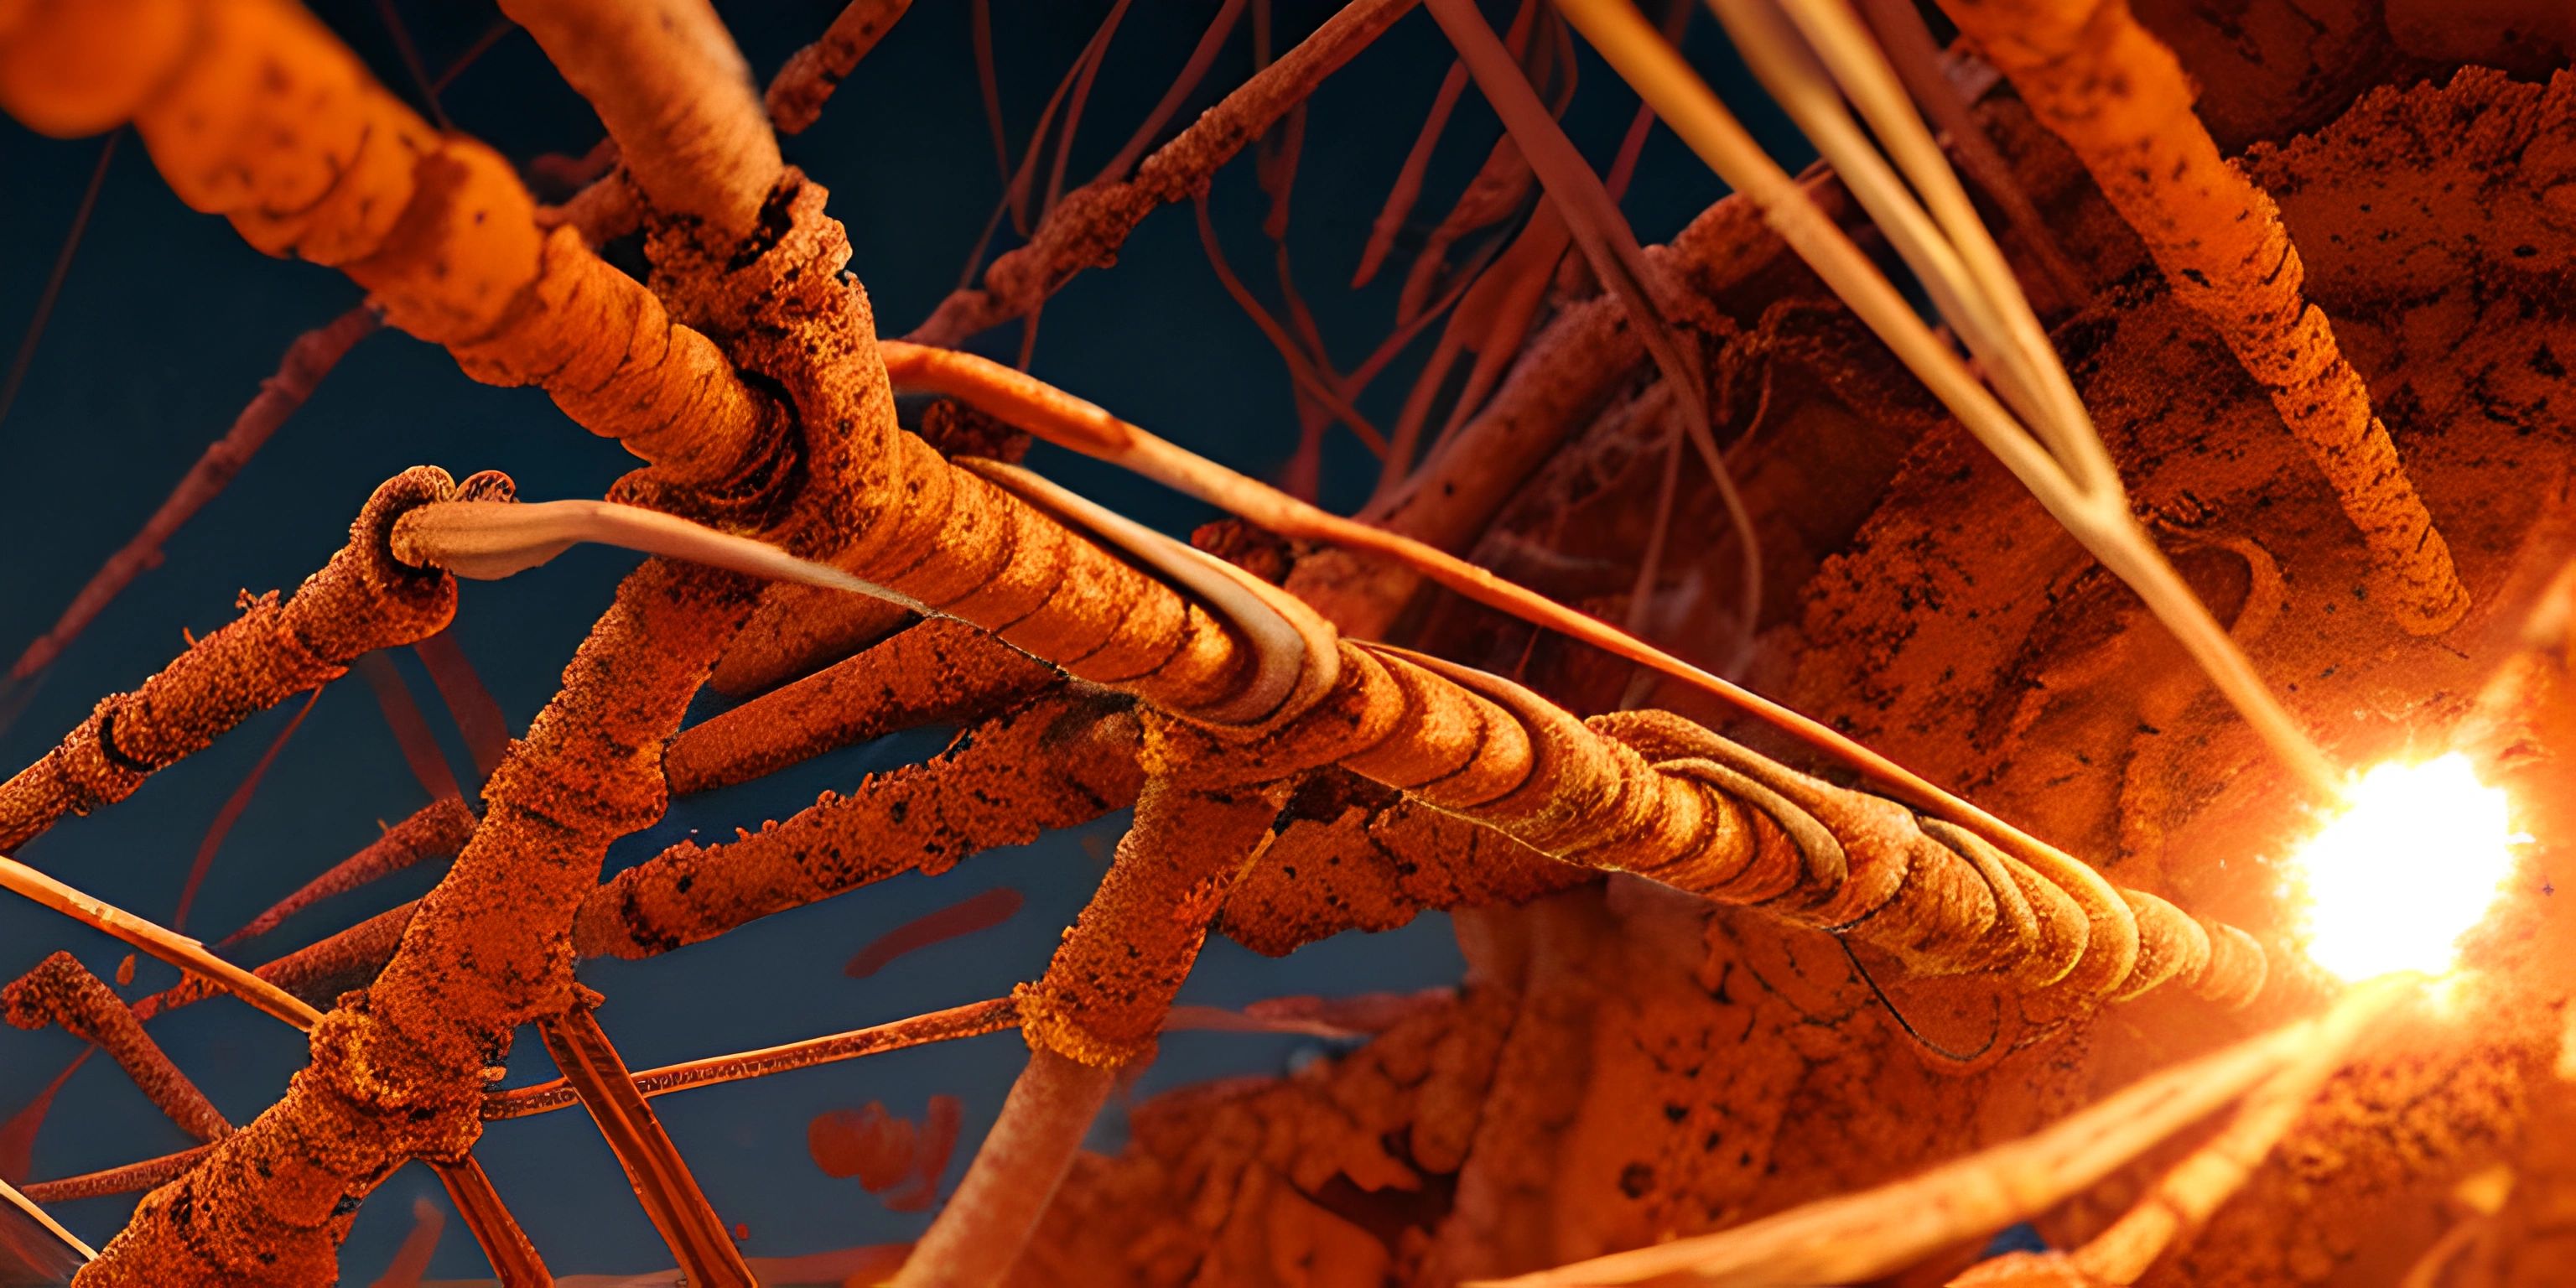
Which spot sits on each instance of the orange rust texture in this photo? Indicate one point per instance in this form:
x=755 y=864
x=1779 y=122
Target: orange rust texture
x=62 y=991
x=1053 y=763
x=1103 y=997
x=801 y=629
x=1959 y=633
x=116 y=1180
x=361 y=600
x=1605 y=1076
x=1350 y=856
x=937 y=672
x=252 y=110
x=928 y=817
x=930 y=528
x=1812 y=854
x=396 y=1069
x=796 y=95
x=906 y=518
x=1941 y=906
x=2356 y=1189
x=1980 y=650
x=2116 y=94
x=682 y=127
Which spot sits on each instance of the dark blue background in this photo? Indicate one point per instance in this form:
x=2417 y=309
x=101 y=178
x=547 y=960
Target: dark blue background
x=168 y=320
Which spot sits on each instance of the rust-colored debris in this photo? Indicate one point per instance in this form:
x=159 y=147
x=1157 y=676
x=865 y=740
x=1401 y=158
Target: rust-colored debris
x=1708 y=981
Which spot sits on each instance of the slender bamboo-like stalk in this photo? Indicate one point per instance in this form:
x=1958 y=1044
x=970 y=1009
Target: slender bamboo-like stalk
x=504 y=1244
x=1918 y=60
x=2182 y=1201
x=156 y=941
x=971 y=1020
x=54 y=1251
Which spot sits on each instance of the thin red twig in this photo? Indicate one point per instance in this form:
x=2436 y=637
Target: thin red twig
x=1203 y=57
x=478 y=717
x=1300 y=369
x=307 y=360
x=410 y=54
x=411 y=730
x=232 y=812
x=26 y=355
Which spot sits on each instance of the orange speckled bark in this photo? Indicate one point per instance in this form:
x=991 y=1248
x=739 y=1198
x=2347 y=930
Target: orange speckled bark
x=1053 y=763
x=395 y=1072
x=2117 y=95
x=800 y=630
x=62 y=991
x=1104 y=996
x=938 y=672
x=361 y=600
x=1350 y=856
x=796 y=94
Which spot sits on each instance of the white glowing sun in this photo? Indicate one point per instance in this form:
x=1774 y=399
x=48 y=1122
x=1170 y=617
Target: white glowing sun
x=2414 y=861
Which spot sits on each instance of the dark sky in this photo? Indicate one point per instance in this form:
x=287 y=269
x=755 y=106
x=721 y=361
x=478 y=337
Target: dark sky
x=167 y=321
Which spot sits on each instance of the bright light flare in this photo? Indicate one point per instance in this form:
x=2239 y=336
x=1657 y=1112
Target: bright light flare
x=2410 y=866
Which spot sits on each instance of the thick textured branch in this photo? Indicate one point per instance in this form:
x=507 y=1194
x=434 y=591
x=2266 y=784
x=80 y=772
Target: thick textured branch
x=254 y=111
x=396 y=1071
x=360 y=601
x=2118 y=96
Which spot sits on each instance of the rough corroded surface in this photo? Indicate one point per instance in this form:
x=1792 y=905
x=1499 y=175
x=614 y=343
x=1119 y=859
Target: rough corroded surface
x=1622 y=1091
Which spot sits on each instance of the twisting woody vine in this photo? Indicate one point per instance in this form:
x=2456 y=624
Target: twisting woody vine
x=1110 y=668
